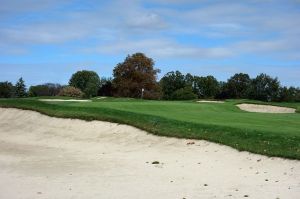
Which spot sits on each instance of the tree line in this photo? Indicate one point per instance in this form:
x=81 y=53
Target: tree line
x=136 y=77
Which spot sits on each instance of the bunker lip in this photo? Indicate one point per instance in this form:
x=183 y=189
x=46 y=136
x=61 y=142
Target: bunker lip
x=259 y=108
x=64 y=100
x=77 y=158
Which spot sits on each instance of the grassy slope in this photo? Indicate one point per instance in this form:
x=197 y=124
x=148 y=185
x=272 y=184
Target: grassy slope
x=269 y=134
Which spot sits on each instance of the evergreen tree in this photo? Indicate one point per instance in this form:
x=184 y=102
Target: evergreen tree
x=20 y=88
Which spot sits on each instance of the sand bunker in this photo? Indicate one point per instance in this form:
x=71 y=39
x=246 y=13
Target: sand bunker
x=101 y=97
x=44 y=157
x=210 y=101
x=265 y=108
x=64 y=100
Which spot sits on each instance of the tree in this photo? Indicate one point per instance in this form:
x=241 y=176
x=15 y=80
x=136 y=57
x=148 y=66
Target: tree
x=206 y=87
x=20 y=88
x=223 y=90
x=54 y=88
x=48 y=89
x=287 y=94
x=134 y=74
x=238 y=85
x=6 y=89
x=155 y=94
x=106 y=88
x=87 y=81
x=171 y=82
x=297 y=96
x=189 y=80
x=264 y=88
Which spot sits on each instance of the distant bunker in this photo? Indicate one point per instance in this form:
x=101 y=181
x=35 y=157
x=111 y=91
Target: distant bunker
x=257 y=108
x=64 y=100
x=210 y=101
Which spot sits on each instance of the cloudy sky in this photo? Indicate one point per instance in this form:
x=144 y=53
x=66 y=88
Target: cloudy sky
x=48 y=40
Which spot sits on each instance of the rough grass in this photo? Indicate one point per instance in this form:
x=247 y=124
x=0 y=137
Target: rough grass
x=262 y=133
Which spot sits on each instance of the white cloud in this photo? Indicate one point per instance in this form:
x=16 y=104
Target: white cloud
x=42 y=34
x=162 y=48
x=123 y=26
x=146 y=21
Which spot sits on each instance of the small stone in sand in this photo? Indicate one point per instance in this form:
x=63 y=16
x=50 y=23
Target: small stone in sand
x=190 y=143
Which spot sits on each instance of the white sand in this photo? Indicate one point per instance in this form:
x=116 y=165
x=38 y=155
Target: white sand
x=210 y=101
x=44 y=157
x=64 y=100
x=265 y=108
x=101 y=97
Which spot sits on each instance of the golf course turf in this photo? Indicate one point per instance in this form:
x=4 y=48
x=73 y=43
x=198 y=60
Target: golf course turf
x=263 y=133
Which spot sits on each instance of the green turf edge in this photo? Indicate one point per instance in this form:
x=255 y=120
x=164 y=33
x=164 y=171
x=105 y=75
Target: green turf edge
x=240 y=139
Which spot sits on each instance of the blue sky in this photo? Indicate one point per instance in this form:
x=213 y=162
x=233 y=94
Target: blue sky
x=48 y=40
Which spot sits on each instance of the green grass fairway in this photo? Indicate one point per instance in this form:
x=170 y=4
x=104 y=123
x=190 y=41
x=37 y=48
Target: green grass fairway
x=263 y=133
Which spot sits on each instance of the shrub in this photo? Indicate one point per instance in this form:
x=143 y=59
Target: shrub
x=6 y=89
x=70 y=91
x=184 y=94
